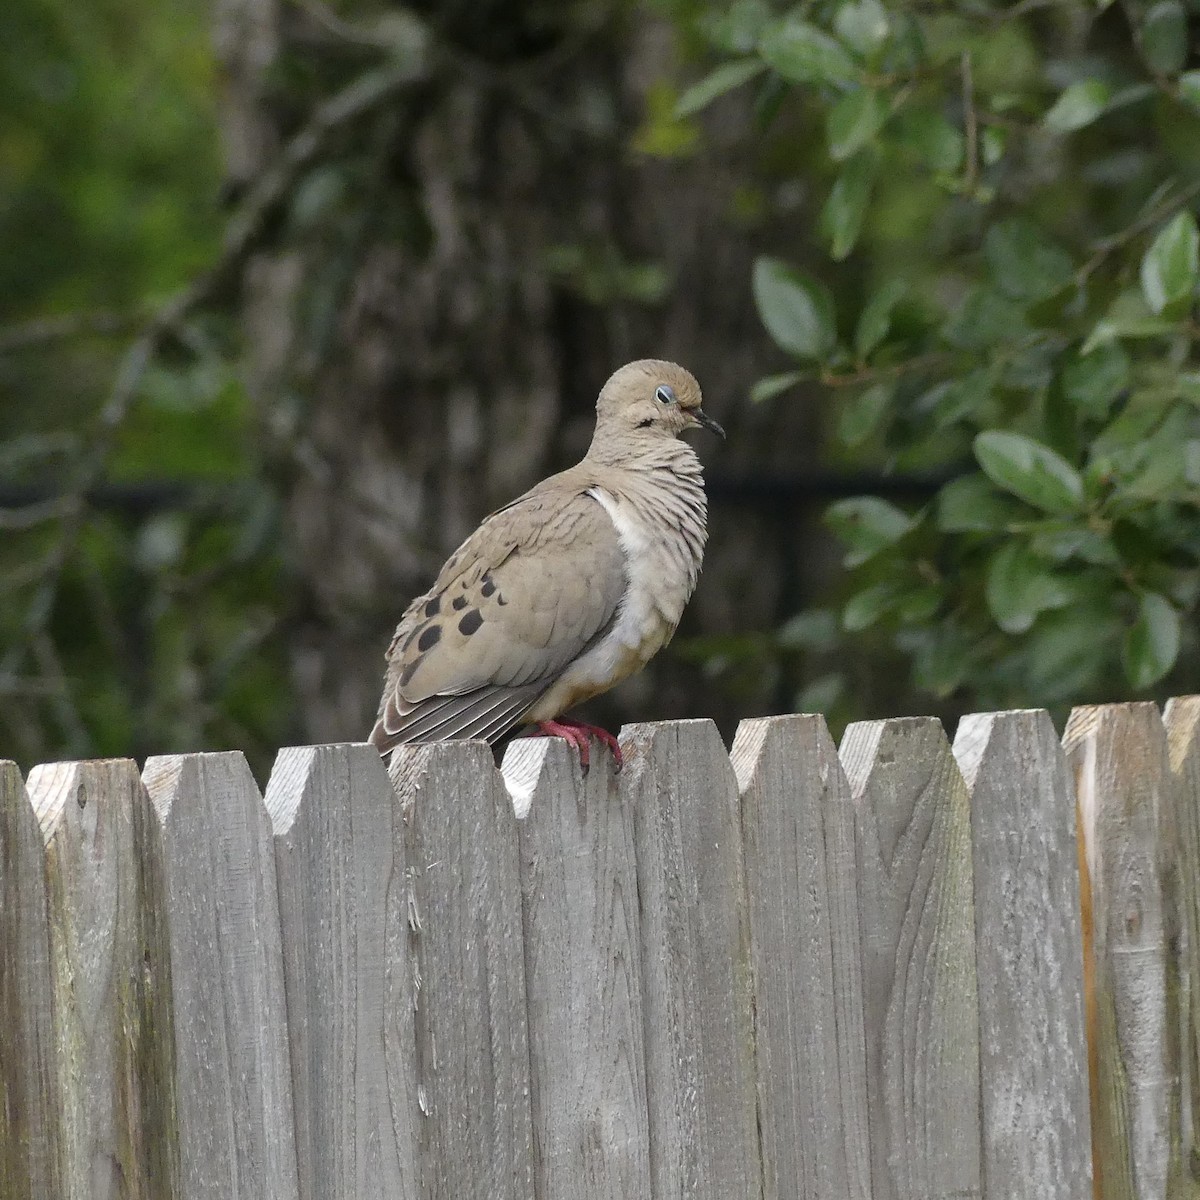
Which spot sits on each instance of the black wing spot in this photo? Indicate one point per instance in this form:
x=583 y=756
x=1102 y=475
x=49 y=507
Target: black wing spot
x=489 y=585
x=458 y=603
x=500 y=600
x=429 y=638
x=408 y=672
x=431 y=609
x=470 y=622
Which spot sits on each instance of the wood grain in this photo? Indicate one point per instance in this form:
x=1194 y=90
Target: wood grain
x=1029 y=956
x=583 y=976
x=343 y=919
x=109 y=967
x=696 y=971
x=475 y=1138
x=30 y=1138
x=1118 y=754
x=918 y=935
x=1182 y=721
x=234 y=1078
x=801 y=877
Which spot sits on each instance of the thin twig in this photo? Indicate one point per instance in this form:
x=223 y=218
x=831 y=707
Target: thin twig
x=1148 y=220
x=30 y=335
x=971 y=124
x=868 y=374
x=27 y=516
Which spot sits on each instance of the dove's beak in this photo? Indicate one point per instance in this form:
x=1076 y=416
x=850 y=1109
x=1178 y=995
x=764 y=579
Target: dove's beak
x=706 y=422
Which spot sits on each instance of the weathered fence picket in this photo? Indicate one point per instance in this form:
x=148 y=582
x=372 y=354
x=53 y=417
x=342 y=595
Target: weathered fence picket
x=1123 y=786
x=236 y=1132
x=696 y=973
x=780 y=973
x=475 y=1138
x=112 y=1038
x=798 y=831
x=583 y=975
x=344 y=922
x=30 y=1138
x=1029 y=956
x=918 y=940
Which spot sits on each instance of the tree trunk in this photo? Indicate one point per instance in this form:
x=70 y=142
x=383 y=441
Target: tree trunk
x=445 y=292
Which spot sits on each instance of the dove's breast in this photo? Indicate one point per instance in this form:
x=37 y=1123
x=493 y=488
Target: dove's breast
x=662 y=537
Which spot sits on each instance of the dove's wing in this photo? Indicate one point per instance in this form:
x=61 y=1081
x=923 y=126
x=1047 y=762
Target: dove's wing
x=533 y=588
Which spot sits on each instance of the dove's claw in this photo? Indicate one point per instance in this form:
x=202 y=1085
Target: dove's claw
x=578 y=734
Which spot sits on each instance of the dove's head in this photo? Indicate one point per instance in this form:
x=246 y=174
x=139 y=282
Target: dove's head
x=651 y=398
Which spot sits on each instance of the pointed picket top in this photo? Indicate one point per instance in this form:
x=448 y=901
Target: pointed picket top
x=110 y=977
x=1122 y=782
x=1033 y=1054
x=343 y=920
x=459 y=841
x=235 y=1092
x=583 y=974
x=529 y=767
x=31 y=1140
x=797 y=824
x=919 y=982
x=696 y=975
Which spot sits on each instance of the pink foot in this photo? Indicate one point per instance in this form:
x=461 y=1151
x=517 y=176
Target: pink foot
x=578 y=733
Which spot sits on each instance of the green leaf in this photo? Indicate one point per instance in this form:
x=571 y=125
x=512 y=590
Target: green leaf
x=1165 y=37
x=984 y=319
x=863 y=25
x=927 y=134
x=865 y=608
x=861 y=414
x=735 y=28
x=942 y=662
x=796 y=309
x=724 y=79
x=1025 y=263
x=867 y=524
x=972 y=504
x=1191 y=462
x=1065 y=651
x=1027 y=469
x=802 y=53
x=842 y=217
x=1074 y=542
x=1171 y=265
x=876 y=317
x=956 y=400
x=811 y=629
x=1078 y=106
x=775 y=385
x=1019 y=587
x=854 y=121
x=1189 y=88
x=820 y=695
x=1091 y=382
x=1128 y=316
x=992 y=144
x=1152 y=643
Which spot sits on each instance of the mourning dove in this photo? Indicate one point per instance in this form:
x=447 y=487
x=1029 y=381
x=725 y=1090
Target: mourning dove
x=568 y=589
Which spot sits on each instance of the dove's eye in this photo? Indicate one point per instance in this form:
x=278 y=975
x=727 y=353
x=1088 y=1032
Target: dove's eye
x=664 y=395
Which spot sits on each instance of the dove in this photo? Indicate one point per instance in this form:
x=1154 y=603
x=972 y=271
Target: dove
x=565 y=591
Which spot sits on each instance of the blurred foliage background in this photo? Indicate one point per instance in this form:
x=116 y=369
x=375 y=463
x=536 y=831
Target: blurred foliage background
x=294 y=292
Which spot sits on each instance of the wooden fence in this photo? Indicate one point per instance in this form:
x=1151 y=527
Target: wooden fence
x=781 y=972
